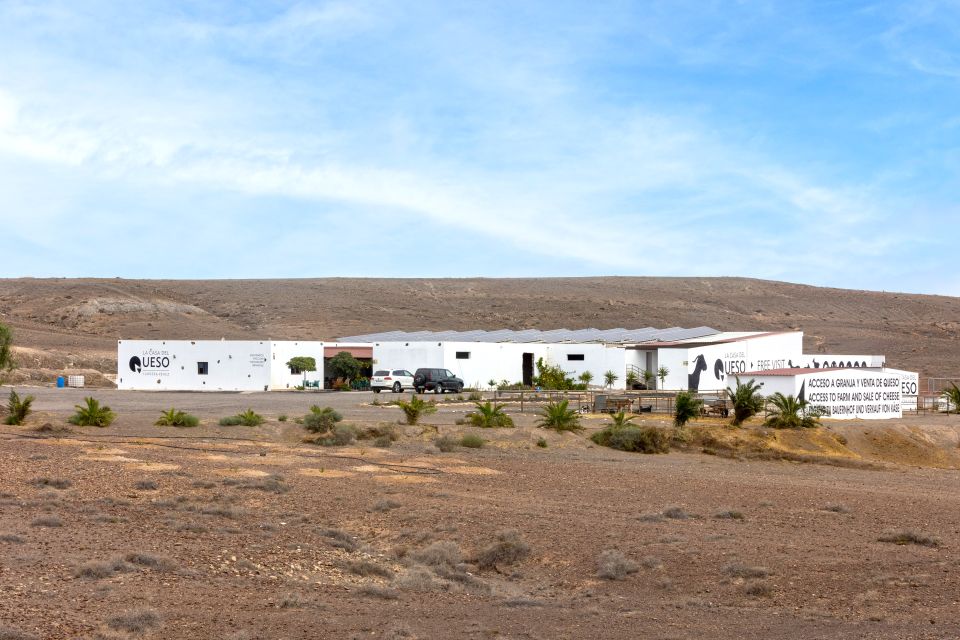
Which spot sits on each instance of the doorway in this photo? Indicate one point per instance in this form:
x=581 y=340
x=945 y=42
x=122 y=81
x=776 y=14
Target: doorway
x=528 y=369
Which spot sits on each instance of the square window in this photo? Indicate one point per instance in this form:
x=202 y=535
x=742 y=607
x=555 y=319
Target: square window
x=463 y=355
x=202 y=368
x=574 y=356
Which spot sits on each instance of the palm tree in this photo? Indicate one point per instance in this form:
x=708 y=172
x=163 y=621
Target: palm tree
x=621 y=419
x=559 y=417
x=92 y=414
x=790 y=412
x=415 y=408
x=610 y=377
x=489 y=415
x=747 y=401
x=686 y=408
x=632 y=379
x=662 y=373
x=586 y=378
x=648 y=378
x=952 y=396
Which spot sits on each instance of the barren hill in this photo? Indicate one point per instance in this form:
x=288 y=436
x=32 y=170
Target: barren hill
x=70 y=323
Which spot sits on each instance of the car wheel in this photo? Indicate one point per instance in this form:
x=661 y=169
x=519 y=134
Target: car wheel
x=376 y=390
x=397 y=388
x=418 y=389
x=438 y=388
x=459 y=388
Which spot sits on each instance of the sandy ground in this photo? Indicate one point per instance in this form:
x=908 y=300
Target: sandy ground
x=250 y=533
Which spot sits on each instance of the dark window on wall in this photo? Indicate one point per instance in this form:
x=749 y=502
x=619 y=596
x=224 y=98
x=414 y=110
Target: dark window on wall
x=202 y=368
x=295 y=371
x=463 y=355
x=574 y=356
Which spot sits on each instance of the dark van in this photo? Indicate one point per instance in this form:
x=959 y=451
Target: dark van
x=436 y=380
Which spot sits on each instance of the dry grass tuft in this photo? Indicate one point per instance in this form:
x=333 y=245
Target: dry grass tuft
x=9 y=633
x=47 y=521
x=758 y=590
x=100 y=570
x=340 y=539
x=377 y=591
x=385 y=505
x=137 y=621
x=150 y=561
x=366 y=568
x=53 y=483
x=508 y=549
x=270 y=484
x=676 y=513
x=11 y=538
x=836 y=508
x=740 y=570
x=909 y=536
x=438 y=554
x=729 y=514
x=613 y=565
x=146 y=485
x=651 y=562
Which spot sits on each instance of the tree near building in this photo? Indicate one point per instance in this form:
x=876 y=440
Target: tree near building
x=662 y=373
x=747 y=401
x=586 y=378
x=302 y=364
x=610 y=377
x=344 y=365
x=6 y=351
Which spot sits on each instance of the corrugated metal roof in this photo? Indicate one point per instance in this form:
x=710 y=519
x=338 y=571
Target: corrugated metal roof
x=603 y=336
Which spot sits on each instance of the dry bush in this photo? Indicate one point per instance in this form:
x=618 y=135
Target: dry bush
x=53 y=483
x=231 y=513
x=377 y=591
x=909 y=536
x=9 y=633
x=836 y=508
x=146 y=485
x=340 y=539
x=740 y=570
x=651 y=562
x=99 y=570
x=366 y=568
x=11 y=538
x=136 y=621
x=507 y=549
x=438 y=554
x=650 y=517
x=676 y=513
x=613 y=565
x=418 y=578
x=758 y=590
x=729 y=514
x=446 y=443
x=385 y=505
x=150 y=561
x=271 y=484
x=203 y=484
x=191 y=527
x=47 y=521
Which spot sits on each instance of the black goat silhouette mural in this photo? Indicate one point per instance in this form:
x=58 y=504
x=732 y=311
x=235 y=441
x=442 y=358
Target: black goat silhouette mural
x=693 y=379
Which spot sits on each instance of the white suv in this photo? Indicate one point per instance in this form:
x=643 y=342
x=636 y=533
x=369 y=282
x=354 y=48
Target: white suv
x=396 y=380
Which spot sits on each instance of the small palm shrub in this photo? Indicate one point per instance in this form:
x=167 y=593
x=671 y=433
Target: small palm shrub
x=747 y=401
x=686 y=408
x=248 y=418
x=621 y=434
x=321 y=420
x=609 y=377
x=489 y=415
x=91 y=414
x=174 y=418
x=559 y=417
x=790 y=412
x=415 y=408
x=952 y=396
x=18 y=408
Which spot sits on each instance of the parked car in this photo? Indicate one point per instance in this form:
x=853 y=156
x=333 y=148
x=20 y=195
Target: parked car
x=436 y=380
x=395 y=380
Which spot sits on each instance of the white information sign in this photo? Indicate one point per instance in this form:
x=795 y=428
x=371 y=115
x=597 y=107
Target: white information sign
x=854 y=394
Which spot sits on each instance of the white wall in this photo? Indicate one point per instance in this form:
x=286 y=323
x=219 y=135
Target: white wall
x=281 y=353
x=235 y=365
x=717 y=362
x=826 y=360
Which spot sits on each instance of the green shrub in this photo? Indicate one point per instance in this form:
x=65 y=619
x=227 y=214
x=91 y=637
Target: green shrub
x=551 y=376
x=542 y=443
x=282 y=417
x=174 y=418
x=472 y=441
x=341 y=435
x=559 y=417
x=952 y=396
x=321 y=420
x=747 y=401
x=18 y=409
x=638 y=439
x=686 y=408
x=489 y=415
x=790 y=412
x=446 y=443
x=6 y=350
x=230 y=421
x=345 y=366
x=92 y=414
x=475 y=396
x=416 y=408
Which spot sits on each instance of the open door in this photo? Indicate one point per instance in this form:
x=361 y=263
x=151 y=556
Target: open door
x=528 y=369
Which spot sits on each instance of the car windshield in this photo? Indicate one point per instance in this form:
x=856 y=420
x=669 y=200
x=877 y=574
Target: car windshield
x=381 y=373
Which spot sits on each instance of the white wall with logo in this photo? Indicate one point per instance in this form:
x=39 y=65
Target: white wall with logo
x=234 y=365
x=708 y=368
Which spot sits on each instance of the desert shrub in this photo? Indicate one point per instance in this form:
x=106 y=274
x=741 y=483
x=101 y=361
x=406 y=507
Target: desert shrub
x=416 y=408
x=250 y=418
x=47 y=521
x=489 y=415
x=6 y=350
x=542 y=443
x=9 y=633
x=613 y=565
x=475 y=396
x=340 y=539
x=508 y=548
x=377 y=591
x=100 y=570
x=758 y=590
x=282 y=417
x=746 y=400
x=146 y=485
x=174 y=418
x=740 y=570
x=385 y=505
x=270 y=484
x=419 y=578
x=676 y=513
x=380 y=433
x=136 y=621
x=366 y=568
x=639 y=439
x=18 y=408
x=908 y=536
x=230 y=421
x=342 y=435
x=729 y=514
x=685 y=408
x=790 y=412
x=11 y=538
x=150 y=561
x=952 y=395
x=53 y=483
x=91 y=414
x=321 y=420
x=438 y=554
x=836 y=508
x=472 y=441
x=651 y=562
x=559 y=417
x=446 y=443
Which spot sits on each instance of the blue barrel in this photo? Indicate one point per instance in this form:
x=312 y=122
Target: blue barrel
x=61 y=383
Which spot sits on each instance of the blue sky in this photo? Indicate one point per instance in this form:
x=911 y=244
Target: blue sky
x=814 y=142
